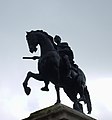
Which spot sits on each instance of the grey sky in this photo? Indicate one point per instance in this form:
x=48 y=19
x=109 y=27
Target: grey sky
x=85 y=24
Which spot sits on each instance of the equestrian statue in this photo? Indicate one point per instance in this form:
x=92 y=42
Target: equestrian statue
x=56 y=65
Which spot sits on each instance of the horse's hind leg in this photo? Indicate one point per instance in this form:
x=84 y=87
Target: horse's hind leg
x=58 y=94
x=78 y=106
x=25 y=83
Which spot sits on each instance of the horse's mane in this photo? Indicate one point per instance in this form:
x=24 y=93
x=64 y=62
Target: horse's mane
x=49 y=37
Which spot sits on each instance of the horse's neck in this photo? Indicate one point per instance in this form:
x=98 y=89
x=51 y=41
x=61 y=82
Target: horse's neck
x=46 y=46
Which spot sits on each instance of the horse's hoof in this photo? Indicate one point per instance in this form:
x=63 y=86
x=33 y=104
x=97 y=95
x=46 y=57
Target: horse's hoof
x=45 y=89
x=27 y=90
x=89 y=112
x=58 y=102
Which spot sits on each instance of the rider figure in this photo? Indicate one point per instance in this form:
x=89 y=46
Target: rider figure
x=66 y=53
x=72 y=71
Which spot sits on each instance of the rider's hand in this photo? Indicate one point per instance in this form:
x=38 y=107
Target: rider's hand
x=34 y=57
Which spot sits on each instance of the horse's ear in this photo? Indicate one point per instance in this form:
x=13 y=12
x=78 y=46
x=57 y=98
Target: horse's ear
x=27 y=32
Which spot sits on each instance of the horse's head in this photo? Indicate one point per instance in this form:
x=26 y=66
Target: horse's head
x=32 y=41
x=36 y=37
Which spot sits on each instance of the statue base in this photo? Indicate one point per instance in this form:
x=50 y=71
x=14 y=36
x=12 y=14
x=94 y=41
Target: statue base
x=58 y=112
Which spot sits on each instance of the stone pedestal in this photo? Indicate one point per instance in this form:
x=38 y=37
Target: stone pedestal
x=58 y=112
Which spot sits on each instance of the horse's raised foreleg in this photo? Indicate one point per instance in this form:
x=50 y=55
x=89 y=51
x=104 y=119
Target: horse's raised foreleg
x=58 y=94
x=25 y=83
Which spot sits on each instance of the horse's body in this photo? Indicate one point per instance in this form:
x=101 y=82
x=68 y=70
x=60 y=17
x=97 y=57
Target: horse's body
x=51 y=69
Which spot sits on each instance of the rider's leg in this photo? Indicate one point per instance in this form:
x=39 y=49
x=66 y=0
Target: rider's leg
x=68 y=65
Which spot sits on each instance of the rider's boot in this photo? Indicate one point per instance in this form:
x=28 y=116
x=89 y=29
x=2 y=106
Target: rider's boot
x=74 y=74
x=69 y=75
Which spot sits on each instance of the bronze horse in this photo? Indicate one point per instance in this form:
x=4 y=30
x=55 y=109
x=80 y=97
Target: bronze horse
x=50 y=68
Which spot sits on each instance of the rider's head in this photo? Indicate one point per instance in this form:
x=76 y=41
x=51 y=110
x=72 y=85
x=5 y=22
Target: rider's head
x=57 y=39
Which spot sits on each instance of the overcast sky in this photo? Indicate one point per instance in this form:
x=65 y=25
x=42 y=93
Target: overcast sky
x=85 y=24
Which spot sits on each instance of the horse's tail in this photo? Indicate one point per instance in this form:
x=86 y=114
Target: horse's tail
x=88 y=100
